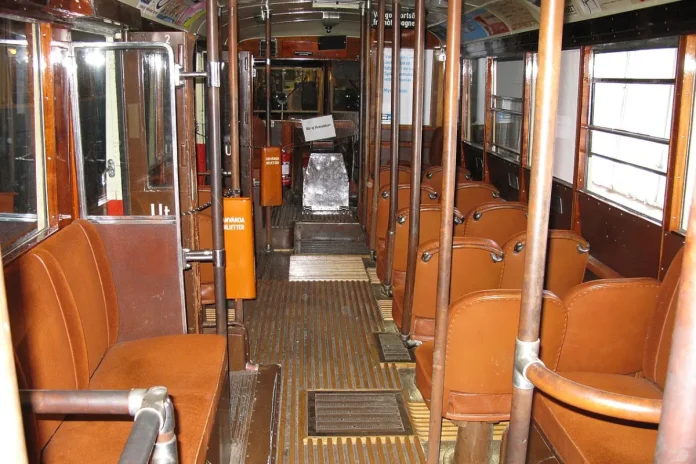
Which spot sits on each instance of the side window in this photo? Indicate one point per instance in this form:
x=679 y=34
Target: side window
x=476 y=111
x=630 y=122
x=506 y=104
x=23 y=210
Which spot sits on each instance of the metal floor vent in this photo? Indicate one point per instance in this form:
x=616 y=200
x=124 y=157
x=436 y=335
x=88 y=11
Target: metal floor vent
x=357 y=414
x=392 y=349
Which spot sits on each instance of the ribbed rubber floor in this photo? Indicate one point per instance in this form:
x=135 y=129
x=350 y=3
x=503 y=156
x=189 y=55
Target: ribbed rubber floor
x=331 y=247
x=392 y=349
x=322 y=333
x=350 y=414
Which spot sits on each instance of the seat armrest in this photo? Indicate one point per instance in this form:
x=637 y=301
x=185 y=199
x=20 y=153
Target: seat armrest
x=607 y=325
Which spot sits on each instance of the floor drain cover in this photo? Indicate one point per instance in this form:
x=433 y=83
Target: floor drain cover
x=392 y=349
x=356 y=414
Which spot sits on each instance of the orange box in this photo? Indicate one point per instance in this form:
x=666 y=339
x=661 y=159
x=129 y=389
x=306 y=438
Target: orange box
x=271 y=177
x=240 y=274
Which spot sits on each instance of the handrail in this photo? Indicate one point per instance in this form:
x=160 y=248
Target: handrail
x=152 y=438
x=591 y=399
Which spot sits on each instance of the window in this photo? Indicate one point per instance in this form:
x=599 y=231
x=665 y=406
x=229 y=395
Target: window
x=295 y=92
x=476 y=111
x=345 y=86
x=23 y=212
x=629 y=129
x=506 y=104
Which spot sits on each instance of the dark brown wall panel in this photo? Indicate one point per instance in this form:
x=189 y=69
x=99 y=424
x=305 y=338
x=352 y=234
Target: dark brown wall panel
x=146 y=273
x=561 y=202
x=503 y=173
x=623 y=241
x=473 y=160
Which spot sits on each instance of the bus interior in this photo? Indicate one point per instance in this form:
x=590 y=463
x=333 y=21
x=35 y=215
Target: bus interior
x=235 y=231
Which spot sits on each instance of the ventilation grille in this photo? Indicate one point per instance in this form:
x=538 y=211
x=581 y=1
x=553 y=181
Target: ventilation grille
x=274 y=48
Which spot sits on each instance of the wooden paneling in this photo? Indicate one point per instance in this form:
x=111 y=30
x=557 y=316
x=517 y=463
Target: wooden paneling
x=473 y=159
x=502 y=175
x=300 y=47
x=623 y=241
x=561 y=202
x=146 y=273
x=671 y=244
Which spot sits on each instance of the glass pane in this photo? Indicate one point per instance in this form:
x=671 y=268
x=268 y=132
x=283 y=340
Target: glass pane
x=641 y=108
x=639 y=190
x=126 y=132
x=657 y=63
x=506 y=103
x=345 y=83
x=641 y=152
x=509 y=78
x=295 y=92
x=477 y=99
x=22 y=177
x=507 y=132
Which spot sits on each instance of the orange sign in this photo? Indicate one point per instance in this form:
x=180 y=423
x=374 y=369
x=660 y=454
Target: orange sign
x=238 y=223
x=271 y=177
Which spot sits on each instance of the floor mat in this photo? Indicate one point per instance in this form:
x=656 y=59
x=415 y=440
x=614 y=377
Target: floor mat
x=326 y=268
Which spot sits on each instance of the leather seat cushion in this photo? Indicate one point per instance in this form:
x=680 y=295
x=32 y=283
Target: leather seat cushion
x=582 y=437
x=424 y=370
x=192 y=368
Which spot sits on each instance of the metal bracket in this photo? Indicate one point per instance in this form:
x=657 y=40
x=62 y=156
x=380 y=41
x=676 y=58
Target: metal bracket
x=526 y=354
x=196 y=256
x=213 y=74
x=219 y=258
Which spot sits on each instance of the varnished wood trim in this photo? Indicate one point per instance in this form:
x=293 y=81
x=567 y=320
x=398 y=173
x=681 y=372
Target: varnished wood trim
x=49 y=123
x=488 y=119
x=526 y=118
x=600 y=269
x=580 y=163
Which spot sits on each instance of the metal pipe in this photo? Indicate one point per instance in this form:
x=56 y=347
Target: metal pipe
x=417 y=128
x=365 y=106
x=141 y=440
x=444 y=270
x=546 y=105
x=590 y=399
x=268 y=115
x=363 y=109
x=76 y=401
x=379 y=84
x=676 y=439
x=233 y=73
x=193 y=75
x=395 y=120
x=215 y=150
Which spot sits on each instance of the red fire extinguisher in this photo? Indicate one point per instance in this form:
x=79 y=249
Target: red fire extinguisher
x=285 y=157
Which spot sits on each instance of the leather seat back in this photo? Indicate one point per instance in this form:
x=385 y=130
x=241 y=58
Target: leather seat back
x=47 y=336
x=479 y=358
x=482 y=256
x=433 y=177
x=429 y=230
x=428 y=197
x=469 y=195
x=566 y=260
x=384 y=180
x=659 y=337
x=497 y=221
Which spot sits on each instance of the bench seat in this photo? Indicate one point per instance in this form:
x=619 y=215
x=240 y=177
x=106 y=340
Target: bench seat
x=583 y=437
x=64 y=317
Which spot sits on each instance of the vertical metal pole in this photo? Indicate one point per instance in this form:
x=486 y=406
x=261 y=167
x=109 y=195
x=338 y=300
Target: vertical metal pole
x=268 y=114
x=365 y=38
x=444 y=270
x=676 y=440
x=363 y=110
x=546 y=103
x=233 y=72
x=213 y=49
x=379 y=84
x=395 y=120
x=414 y=224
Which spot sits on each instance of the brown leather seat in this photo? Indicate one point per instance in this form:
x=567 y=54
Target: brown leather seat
x=565 y=269
x=433 y=177
x=428 y=197
x=384 y=179
x=483 y=255
x=64 y=319
x=497 y=221
x=616 y=328
x=469 y=195
x=566 y=261
x=482 y=327
x=429 y=230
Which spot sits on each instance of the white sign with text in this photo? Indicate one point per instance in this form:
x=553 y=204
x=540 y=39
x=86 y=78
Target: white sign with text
x=318 y=128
